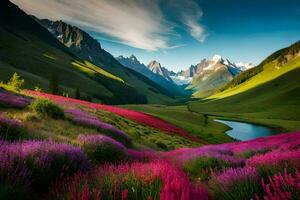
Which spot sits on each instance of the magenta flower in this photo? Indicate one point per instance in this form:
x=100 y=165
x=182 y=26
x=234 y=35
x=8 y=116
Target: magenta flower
x=286 y=186
x=276 y=161
x=143 y=181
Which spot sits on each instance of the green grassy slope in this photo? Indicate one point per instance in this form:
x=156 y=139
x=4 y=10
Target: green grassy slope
x=209 y=86
x=270 y=97
x=30 y=50
x=195 y=123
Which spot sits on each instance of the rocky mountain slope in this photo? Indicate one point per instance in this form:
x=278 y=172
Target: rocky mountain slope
x=156 y=68
x=210 y=74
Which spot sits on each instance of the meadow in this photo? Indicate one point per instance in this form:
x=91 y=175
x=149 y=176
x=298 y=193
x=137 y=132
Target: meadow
x=55 y=147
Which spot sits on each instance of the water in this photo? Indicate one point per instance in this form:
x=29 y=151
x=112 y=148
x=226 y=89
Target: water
x=245 y=131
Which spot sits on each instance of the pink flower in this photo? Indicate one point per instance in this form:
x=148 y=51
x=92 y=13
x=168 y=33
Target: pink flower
x=124 y=194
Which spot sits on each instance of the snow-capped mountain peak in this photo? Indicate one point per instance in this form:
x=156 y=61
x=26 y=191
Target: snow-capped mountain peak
x=217 y=58
x=244 y=66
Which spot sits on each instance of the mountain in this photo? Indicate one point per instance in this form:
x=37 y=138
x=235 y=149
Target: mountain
x=267 y=93
x=32 y=51
x=164 y=81
x=156 y=68
x=210 y=75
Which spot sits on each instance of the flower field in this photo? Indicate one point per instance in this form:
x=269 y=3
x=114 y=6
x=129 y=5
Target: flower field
x=107 y=165
x=138 y=117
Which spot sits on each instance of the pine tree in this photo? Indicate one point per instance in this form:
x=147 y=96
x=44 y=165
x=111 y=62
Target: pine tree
x=77 y=93
x=53 y=85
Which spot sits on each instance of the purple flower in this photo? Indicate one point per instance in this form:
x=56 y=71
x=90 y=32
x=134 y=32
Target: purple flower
x=231 y=176
x=84 y=118
x=9 y=99
x=44 y=160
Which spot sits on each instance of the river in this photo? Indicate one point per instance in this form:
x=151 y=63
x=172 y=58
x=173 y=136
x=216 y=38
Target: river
x=246 y=131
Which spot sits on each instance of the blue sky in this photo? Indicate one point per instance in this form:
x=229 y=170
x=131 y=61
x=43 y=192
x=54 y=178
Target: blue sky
x=179 y=33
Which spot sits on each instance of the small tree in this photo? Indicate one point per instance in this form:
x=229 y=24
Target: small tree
x=37 y=88
x=53 y=85
x=77 y=93
x=16 y=82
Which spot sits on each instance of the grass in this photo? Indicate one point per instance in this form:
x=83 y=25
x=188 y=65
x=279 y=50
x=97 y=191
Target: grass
x=196 y=124
x=270 y=73
x=92 y=70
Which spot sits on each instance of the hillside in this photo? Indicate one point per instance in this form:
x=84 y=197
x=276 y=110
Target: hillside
x=266 y=94
x=30 y=50
x=81 y=44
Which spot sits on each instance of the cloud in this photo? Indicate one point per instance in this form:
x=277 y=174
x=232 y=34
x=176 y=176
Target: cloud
x=133 y=22
x=137 y=23
x=196 y=30
x=190 y=13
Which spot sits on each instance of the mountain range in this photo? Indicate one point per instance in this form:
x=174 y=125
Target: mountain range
x=154 y=71
x=211 y=74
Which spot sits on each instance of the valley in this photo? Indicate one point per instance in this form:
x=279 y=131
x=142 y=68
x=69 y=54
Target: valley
x=149 y=100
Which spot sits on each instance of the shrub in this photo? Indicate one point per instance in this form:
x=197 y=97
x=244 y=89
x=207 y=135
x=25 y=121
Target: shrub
x=102 y=149
x=16 y=82
x=10 y=129
x=44 y=161
x=235 y=183
x=47 y=108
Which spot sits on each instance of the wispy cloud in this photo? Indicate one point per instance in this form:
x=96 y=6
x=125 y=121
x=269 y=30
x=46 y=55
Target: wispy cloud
x=190 y=14
x=137 y=23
